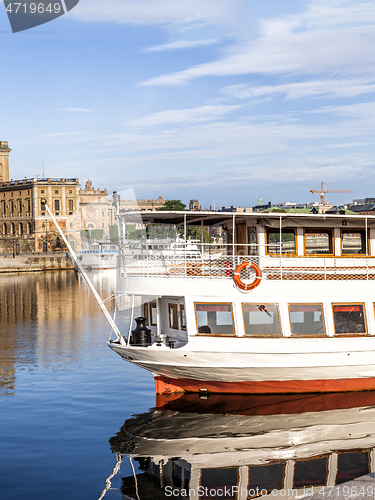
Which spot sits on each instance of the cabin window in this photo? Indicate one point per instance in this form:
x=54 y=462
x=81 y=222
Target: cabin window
x=353 y=241
x=311 y=472
x=215 y=481
x=351 y=465
x=261 y=319
x=349 y=318
x=288 y=241
x=182 y=317
x=153 y=314
x=266 y=477
x=216 y=319
x=318 y=242
x=145 y=313
x=173 y=316
x=306 y=319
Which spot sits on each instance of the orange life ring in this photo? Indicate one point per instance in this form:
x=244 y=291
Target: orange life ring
x=240 y=283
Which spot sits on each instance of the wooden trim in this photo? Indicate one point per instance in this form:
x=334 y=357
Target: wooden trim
x=350 y=334
x=319 y=229
x=215 y=334
x=260 y=335
x=145 y=313
x=296 y=335
x=152 y=306
x=174 y=308
x=182 y=310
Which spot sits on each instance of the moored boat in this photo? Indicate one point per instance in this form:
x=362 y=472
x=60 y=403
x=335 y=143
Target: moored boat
x=281 y=303
x=100 y=255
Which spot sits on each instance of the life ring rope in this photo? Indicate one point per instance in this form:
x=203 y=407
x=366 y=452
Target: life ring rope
x=247 y=286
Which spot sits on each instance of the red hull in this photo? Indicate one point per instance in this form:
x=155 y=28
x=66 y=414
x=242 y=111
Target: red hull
x=167 y=386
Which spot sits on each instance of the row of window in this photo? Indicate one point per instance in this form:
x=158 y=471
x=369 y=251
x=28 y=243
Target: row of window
x=57 y=204
x=306 y=473
x=264 y=319
x=15 y=206
x=19 y=192
x=317 y=241
x=20 y=228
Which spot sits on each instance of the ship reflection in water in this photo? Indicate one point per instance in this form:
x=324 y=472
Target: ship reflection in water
x=240 y=447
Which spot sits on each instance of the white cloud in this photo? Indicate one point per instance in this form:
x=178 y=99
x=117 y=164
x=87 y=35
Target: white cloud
x=182 y=44
x=314 y=88
x=298 y=44
x=74 y=110
x=360 y=111
x=221 y=12
x=188 y=116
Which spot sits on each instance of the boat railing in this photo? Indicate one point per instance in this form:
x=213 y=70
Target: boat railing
x=220 y=262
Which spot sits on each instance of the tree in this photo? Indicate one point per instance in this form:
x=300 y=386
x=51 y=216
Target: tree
x=172 y=205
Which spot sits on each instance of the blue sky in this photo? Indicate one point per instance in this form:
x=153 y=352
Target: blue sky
x=221 y=100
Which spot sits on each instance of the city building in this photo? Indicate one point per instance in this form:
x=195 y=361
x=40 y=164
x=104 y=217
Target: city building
x=194 y=205
x=96 y=211
x=25 y=225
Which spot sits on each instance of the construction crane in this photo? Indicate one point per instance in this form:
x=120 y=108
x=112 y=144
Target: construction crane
x=324 y=191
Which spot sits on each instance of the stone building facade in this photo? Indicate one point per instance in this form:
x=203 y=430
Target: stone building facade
x=97 y=212
x=25 y=225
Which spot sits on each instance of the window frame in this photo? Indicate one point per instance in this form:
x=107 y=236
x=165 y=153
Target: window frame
x=215 y=334
x=319 y=229
x=350 y=334
x=343 y=230
x=307 y=335
x=277 y=231
x=262 y=335
x=174 y=307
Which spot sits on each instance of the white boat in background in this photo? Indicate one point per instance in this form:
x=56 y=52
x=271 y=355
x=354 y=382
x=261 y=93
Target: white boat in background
x=284 y=304
x=99 y=256
x=267 y=446
x=103 y=255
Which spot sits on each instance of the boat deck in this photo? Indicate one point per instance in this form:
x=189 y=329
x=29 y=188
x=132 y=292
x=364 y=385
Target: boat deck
x=216 y=266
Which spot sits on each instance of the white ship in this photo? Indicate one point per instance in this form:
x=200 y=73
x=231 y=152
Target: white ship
x=285 y=305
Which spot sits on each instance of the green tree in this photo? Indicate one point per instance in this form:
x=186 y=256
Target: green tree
x=172 y=205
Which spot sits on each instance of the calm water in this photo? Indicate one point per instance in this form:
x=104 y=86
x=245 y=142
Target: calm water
x=67 y=406
x=64 y=393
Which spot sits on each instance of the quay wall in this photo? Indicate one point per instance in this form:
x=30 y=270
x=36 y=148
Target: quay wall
x=34 y=263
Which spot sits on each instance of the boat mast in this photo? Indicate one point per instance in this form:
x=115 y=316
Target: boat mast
x=87 y=279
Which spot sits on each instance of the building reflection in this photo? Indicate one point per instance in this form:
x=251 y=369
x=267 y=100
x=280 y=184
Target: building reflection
x=44 y=318
x=242 y=447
